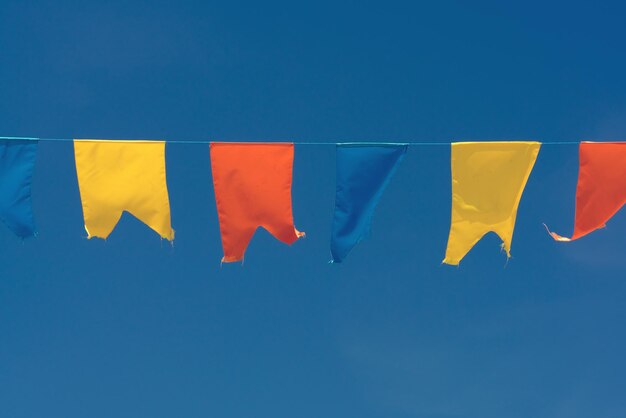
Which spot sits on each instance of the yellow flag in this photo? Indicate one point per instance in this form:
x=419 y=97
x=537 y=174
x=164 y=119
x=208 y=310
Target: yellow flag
x=118 y=176
x=488 y=179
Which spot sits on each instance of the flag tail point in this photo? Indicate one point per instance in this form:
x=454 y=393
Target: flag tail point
x=556 y=236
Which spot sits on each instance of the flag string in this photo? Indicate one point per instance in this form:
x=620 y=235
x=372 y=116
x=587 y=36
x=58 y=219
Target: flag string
x=312 y=143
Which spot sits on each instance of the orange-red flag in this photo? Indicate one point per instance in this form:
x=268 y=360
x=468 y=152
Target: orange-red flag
x=601 y=189
x=252 y=183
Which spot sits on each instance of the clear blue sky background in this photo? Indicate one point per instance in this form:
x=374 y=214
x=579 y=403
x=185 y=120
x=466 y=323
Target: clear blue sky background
x=133 y=327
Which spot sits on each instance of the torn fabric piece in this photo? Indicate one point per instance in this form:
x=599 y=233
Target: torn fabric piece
x=363 y=172
x=488 y=179
x=118 y=176
x=17 y=163
x=601 y=188
x=252 y=183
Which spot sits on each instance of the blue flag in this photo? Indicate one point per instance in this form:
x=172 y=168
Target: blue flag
x=17 y=162
x=363 y=172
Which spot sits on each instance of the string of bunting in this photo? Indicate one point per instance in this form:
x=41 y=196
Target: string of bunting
x=253 y=181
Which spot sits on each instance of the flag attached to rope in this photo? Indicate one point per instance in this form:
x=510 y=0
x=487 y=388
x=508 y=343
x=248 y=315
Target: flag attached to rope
x=17 y=163
x=363 y=172
x=488 y=179
x=601 y=188
x=118 y=176
x=252 y=183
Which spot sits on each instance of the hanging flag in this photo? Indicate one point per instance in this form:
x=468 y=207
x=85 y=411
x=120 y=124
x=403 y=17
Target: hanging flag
x=118 y=176
x=488 y=179
x=252 y=183
x=363 y=172
x=601 y=189
x=17 y=163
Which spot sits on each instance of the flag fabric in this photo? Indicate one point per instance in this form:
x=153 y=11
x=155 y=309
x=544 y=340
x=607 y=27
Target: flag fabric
x=363 y=172
x=17 y=163
x=118 y=176
x=601 y=188
x=252 y=183
x=488 y=179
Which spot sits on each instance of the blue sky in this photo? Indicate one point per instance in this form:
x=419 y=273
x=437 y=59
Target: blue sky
x=135 y=327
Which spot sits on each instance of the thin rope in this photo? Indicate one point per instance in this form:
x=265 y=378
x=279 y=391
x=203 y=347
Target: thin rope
x=186 y=141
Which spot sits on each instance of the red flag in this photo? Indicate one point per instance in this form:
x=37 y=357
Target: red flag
x=601 y=189
x=252 y=184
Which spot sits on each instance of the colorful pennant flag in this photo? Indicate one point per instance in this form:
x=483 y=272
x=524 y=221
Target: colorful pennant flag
x=17 y=162
x=252 y=183
x=363 y=172
x=488 y=179
x=118 y=176
x=601 y=189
